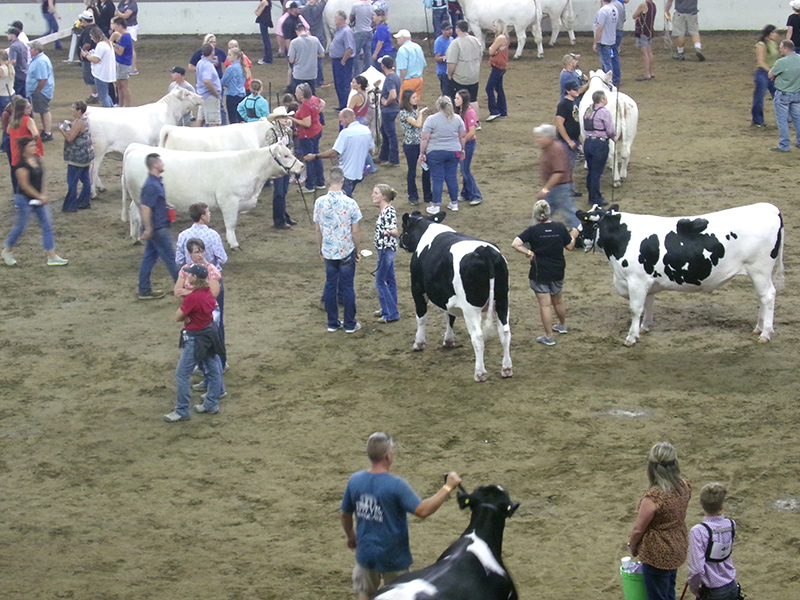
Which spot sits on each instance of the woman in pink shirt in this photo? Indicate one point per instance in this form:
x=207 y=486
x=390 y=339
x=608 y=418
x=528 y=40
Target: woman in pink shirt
x=469 y=191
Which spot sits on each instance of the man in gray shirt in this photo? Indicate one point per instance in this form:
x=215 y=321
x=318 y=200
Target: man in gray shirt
x=18 y=55
x=361 y=20
x=685 y=20
x=464 y=63
x=620 y=6
x=312 y=12
x=605 y=38
x=304 y=50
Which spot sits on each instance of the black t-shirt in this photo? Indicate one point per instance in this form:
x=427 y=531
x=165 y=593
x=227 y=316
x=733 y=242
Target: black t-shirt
x=86 y=38
x=265 y=18
x=547 y=241
x=289 y=25
x=794 y=22
x=568 y=110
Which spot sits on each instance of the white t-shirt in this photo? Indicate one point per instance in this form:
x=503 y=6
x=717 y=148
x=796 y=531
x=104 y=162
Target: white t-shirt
x=106 y=69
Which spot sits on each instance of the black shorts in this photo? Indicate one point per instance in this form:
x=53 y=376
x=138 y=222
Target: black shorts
x=472 y=89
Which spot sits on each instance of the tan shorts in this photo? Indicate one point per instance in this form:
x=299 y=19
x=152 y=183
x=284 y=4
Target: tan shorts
x=683 y=25
x=367 y=582
x=209 y=111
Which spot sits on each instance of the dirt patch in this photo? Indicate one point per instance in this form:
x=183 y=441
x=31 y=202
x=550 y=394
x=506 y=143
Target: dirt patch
x=103 y=500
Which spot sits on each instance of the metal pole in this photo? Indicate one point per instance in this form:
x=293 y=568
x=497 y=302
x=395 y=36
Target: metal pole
x=303 y=196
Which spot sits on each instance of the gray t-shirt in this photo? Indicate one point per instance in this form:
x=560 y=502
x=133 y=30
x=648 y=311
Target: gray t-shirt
x=444 y=132
x=362 y=12
x=607 y=17
x=465 y=51
x=312 y=13
x=621 y=18
x=304 y=50
x=687 y=7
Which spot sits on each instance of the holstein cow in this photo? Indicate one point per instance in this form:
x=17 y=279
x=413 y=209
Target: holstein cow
x=624 y=113
x=229 y=181
x=114 y=129
x=519 y=14
x=472 y=567
x=689 y=254
x=562 y=16
x=242 y=136
x=459 y=274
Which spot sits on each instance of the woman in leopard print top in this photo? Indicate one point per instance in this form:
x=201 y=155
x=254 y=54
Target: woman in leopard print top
x=659 y=535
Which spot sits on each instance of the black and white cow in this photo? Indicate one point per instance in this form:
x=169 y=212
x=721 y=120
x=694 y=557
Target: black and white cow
x=472 y=567
x=649 y=254
x=459 y=274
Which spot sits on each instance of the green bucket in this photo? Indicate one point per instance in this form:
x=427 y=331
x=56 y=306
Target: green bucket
x=632 y=585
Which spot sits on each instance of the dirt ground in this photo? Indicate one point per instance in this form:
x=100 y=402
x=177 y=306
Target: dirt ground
x=103 y=500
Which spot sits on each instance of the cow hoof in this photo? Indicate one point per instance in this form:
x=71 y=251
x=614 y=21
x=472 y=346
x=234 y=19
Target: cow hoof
x=763 y=340
x=137 y=242
x=540 y=55
x=756 y=332
x=100 y=188
x=236 y=248
x=507 y=372
x=629 y=343
x=449 y=344
x=617 y=184
x=418 y=347
x=550 y=45
x=480 y=377
x=572 y=42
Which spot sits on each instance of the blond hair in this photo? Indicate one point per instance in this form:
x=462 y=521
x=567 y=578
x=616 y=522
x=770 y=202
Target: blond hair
x=712 y=497
x=663 y=470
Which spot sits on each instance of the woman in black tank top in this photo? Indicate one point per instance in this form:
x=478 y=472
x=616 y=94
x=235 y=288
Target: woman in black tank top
x=31 y=198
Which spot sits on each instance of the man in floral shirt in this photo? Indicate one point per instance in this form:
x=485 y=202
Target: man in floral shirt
x=336 y=218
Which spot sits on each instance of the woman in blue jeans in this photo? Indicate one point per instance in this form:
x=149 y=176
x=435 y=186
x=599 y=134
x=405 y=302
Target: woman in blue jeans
x=469 y=192
x=766 y=54
x=385 y=241
x=442 y=146
x=31 y=198
x=598 y=128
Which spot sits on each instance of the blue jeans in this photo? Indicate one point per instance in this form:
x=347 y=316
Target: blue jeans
x=52 y=26
x=73 y=201
x=470 y=189
x=411 y=152
x=444 y=83
x=42 y=213
x=342 y=78
x=280 y=187
x=615 y=75
x=560 y=199
x=729 y=591
x=439 y=16
x=363 y=50
x=389 y=149
x=659 y=584
x=494 y=85
x=596 y=153
x=763 y=85
x=315 y=174
x=103 y=93
x=211 y=367
x=443 y=165
x=349 y=186
x=266 y=41
x=320 y=74
x=340 y=275
x=4 y=101
x=609 y=61
x=386 y=285
x=160 y=245
x=223 y=358
x=787 y=106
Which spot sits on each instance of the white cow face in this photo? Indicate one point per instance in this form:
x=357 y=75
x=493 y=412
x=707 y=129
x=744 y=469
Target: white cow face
x=187 y=97
x=286 y=158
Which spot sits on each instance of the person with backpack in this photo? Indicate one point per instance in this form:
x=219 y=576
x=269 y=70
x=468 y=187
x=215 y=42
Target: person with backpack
x=255 y=106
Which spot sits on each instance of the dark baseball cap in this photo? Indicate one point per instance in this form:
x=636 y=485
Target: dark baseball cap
x=14 y=31
x=180 y=70
x=571 y=85
x=198 y=270
x=17 y=24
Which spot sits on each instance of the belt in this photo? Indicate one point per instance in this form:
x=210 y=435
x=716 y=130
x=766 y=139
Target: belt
x=594 y=137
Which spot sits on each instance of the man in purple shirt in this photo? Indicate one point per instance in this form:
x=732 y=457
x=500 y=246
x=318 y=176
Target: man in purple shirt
x=208 y=86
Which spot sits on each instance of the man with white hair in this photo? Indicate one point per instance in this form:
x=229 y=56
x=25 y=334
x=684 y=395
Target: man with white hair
x=409 y=63
x=685 y=21
x=554 y=166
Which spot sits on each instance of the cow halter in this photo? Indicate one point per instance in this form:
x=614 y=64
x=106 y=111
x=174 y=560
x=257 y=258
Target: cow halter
x=281 y=165
x=608 y=86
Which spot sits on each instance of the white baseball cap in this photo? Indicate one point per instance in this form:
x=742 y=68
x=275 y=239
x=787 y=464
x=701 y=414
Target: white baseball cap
x=403 y=33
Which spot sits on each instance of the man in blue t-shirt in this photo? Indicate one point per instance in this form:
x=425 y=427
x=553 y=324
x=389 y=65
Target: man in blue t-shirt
x=440 y=47
x=380 y=502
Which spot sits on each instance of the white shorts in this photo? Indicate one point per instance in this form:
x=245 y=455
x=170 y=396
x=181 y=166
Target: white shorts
x=134 y=31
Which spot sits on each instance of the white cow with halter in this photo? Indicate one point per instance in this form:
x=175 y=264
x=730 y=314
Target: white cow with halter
x=517 y=14
x=624 y=114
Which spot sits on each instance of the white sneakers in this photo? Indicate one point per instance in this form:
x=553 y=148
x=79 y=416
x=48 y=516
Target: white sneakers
x=433 y=209
x=56 y=261
x=8 y=258
x=453 y=206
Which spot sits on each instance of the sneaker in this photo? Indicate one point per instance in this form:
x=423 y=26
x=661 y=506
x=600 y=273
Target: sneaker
x=678 y=56
x=264 y=62
x=478 y=126
x=492 y=118
x=133 y=72
x=199 y=386
x=8 y=258
x=778 y=149
x=413 y=202
x=221 y=396
x=324 y=85
x=174 y=417
x=547 y=341
x=475 y=202
x=284 y=226
x=462 y=199
x=199 y=408
x=153 y=295
x=560 y=328
x=453 y=207
x=354 y=329
x=93 y=100
x=433 y=209
x=700 y=56
x=643 y=78
x=377 y=313
x=47 y=137
x=385 y=320
x=332 y=329
x=322 y=187
x=56 y=261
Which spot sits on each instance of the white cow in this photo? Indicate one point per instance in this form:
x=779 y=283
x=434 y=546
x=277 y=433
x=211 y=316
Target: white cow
x=518 y=14
x=114 y=129
x=331 y=8
x=242 y=136
x=562 y=16
x=625 y=115
x=229 y=181
x=649 y=254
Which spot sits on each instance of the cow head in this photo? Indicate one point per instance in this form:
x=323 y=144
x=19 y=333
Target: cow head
x=414 y=225
x=603 y=78
x=185 y=98
x=590 y=222
x=286 y=158
x=492 y=496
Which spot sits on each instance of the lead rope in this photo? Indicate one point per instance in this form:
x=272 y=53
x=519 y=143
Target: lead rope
x=616 y=144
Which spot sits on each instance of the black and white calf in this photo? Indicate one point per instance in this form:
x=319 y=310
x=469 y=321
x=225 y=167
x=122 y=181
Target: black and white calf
x=649 y=254
x=472 y=567
x=459 y=274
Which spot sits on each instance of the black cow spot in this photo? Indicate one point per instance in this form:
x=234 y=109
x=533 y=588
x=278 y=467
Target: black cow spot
x=734 y=236
x=624 y=262
x=649 y=253
x=777 y=247
x=728 y=236
x=614 y=236
x=691 y=254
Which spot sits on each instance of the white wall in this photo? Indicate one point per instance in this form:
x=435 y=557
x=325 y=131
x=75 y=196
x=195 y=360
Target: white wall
x=229 y=17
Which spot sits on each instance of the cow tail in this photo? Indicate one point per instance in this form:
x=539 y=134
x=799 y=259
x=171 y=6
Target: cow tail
x=162 y=137
x=124 y=196
x=779 y=278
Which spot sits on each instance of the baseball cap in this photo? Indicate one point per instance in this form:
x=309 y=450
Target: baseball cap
x=87 y=15
x=571 y=85
x=197 y=270
x=403 y=33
